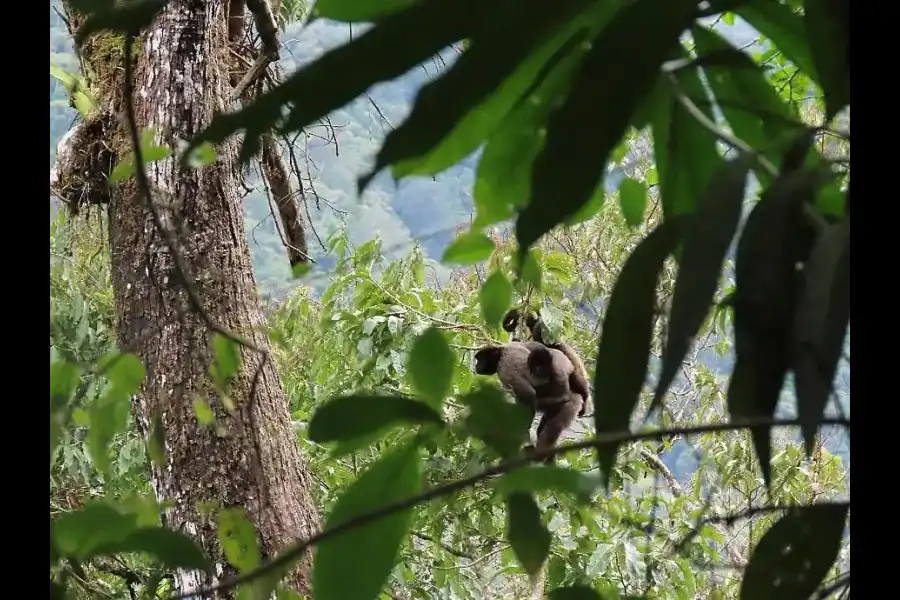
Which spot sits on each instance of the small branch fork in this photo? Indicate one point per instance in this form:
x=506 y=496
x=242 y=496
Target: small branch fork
x=294 y=551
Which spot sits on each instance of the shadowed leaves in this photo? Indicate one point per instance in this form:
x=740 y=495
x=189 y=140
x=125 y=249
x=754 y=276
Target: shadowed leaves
x=529 y=538
x=350 y=417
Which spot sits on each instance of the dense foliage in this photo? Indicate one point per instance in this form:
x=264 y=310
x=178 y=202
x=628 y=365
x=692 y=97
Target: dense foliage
x=680 y=299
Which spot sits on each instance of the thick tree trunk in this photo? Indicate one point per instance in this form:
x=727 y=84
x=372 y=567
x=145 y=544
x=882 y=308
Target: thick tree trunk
x=181 y=81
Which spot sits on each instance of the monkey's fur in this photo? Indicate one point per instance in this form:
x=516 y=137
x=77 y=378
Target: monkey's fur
x=542 y=379
x=535 y=327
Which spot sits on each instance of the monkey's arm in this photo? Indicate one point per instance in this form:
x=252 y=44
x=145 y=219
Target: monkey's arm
x=579 y=384
x=523 y=391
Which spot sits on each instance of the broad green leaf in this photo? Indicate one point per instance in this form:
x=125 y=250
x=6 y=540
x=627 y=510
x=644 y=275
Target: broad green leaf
x=174 y=550
x=783 y=26
x=203 y=412
x=625 y=343
x=226 y=361
x=357 y=11
x=80 y=532
x=633 y=201
x=795 y=554
x=752 y=107
x=685 y=150
x=430 y=365
x=85 y=103
x=503 y=179
x=469 y=248
x=64 y=379
x=820 y=326
x=108 y=416
x=350 y=417
x=580 y=138
x=525 y=531
x=125 y=372
x=500 y=424
x=426 y=28
x=452 y=115
x=547 y=478
x=201 y=156
x=150 y=153
x=69 y=80
x=827 y=29
x=705 y=242
x=495 y=297
x=156 y=441
x=121 y=17
x=574 y=592
x=531 y=269
x=237 y=537
x=371 y=548
x=774 y=239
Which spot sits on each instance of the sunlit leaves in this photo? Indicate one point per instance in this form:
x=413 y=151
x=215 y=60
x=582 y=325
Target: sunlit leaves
x=820 y=325
x=495 y=296
x=453 y=114
x=775 y=238
x=237 y=537
x=827 y=29
x=529 y=538
x=547 y=478
x=226 y=360
x=430 y=365
x=120 y=17
x=425 y=28
x=350 y=417
x=706 y=238
x=794 y=556
x=469 y=248
x=580 y=138
x=371 y=548
x=150 y=152
x=75 y=85
x=501 y=424
x=627 y=331
x=633 y=201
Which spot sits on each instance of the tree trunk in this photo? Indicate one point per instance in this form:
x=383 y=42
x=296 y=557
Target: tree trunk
x=181 y=81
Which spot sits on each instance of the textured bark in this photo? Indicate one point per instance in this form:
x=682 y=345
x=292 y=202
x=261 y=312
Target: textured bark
x=181 y=81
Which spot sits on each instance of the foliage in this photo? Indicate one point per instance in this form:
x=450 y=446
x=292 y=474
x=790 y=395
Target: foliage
x=428 y=496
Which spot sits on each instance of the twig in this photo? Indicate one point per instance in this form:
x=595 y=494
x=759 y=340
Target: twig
x=449 y=549
x=294 y=551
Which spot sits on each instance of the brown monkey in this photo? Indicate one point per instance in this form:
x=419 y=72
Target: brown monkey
x=540 y=378
x=535 y=325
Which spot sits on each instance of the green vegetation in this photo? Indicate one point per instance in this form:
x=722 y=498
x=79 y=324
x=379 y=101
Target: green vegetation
x=679 y=288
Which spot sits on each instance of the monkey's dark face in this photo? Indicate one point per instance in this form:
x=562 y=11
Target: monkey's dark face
x=487 y=360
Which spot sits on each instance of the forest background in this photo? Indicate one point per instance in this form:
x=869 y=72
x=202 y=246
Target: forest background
x=428 y=213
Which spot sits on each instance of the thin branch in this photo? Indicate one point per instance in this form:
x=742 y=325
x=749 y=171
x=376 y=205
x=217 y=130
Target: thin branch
x=293 y=552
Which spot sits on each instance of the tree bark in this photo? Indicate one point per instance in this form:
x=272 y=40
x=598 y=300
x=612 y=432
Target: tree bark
x=181 y=82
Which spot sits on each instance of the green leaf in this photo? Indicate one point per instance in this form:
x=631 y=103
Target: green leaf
x=85 y=103
x=503 y=179
x=625 y=344
x=580 y=138
x=531 y=269
x=372 y=548
x=64 y=380
x=350 y=417
x=529 y=538
x=121 y=17
x=495 y=296
x=237 y=536
x=547 y=478
x=426 y=28
x=794 y=556
x=775 y=238
x=108 y=416
x=827 y=29
x=820 y=326
x=783 y=26
x=125 y=372
x=633 y=201
x=156 y=440
x=201 y=156
x=357 y=11
x=150 y=153
x=469 y=248
x=172 y=549
x=430 y=365
x=685 y=151
x=226 y=361
x=752 y=107
x=79 y=533
x=205 y=414
x=705 y=242
x=452 y=115
x=574 y=592
x=501 y=424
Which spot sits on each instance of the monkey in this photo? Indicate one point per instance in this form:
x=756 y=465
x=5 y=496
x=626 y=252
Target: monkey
x=535 y=327
x=542 y=379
